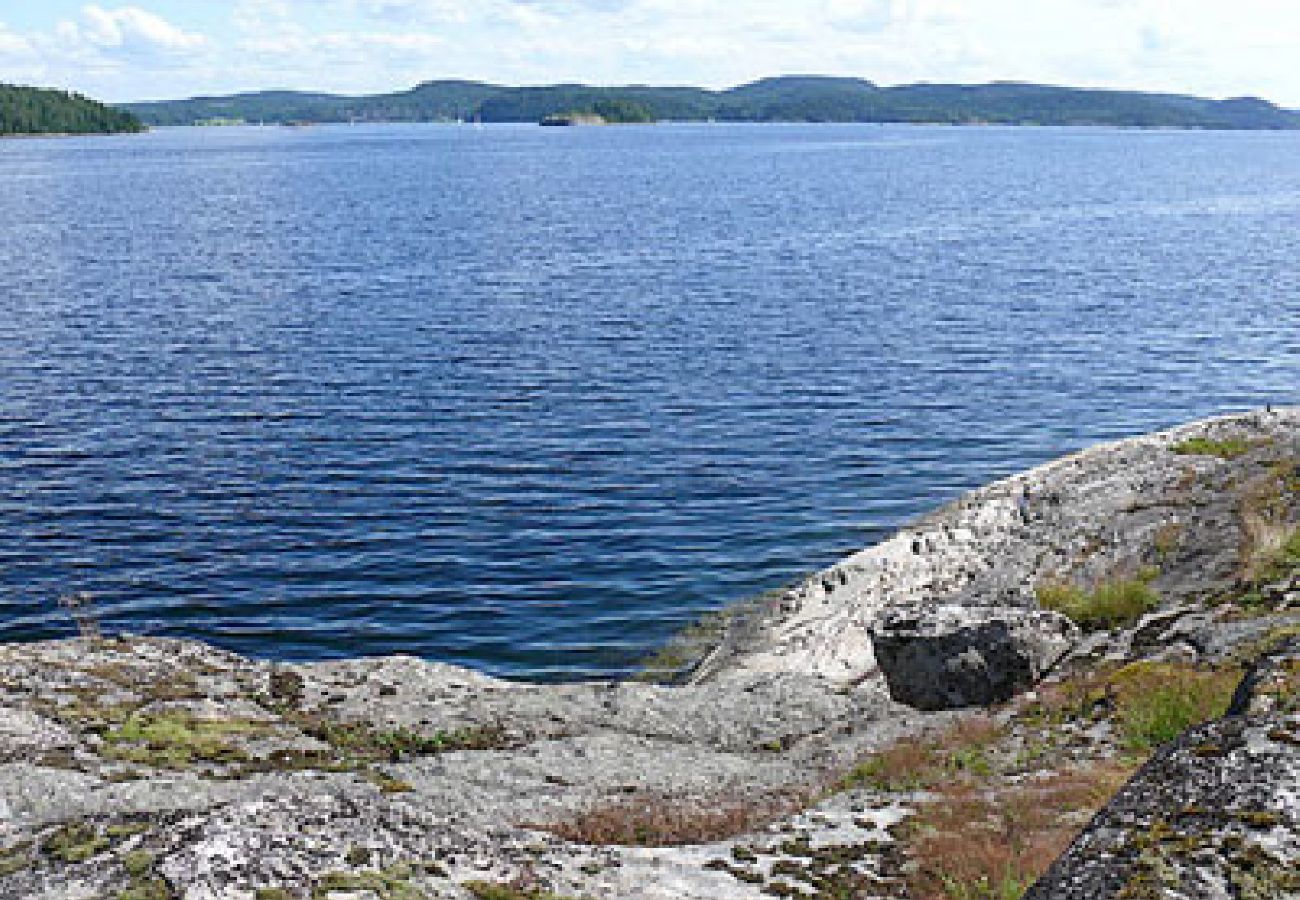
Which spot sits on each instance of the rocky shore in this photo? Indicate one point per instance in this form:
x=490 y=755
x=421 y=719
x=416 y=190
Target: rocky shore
x=1007 y=681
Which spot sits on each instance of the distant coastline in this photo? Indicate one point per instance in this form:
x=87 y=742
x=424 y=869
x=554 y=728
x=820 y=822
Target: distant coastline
x=790 y=99
x=57 y=135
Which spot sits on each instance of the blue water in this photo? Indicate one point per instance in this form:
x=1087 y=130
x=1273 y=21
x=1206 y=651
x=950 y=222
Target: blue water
x=530 y=399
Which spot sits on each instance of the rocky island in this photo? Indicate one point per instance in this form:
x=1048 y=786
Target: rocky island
x=1084 y=676
x=572 y=119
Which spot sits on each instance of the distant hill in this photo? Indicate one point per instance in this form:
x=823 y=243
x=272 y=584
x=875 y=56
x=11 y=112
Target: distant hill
x=28 y=110
x=787 y=99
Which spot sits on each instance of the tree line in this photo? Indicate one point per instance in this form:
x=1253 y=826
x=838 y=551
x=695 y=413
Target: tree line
x=786 y=99
x=28 y=110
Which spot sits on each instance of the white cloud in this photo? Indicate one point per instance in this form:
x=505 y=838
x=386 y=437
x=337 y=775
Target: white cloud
x=128 y=29
x=1197 y=46
x=13 y=45
x=354 y=45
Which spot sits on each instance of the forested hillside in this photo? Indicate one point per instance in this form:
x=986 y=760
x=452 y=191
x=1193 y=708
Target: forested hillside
x=28 y=110
x=788 y=99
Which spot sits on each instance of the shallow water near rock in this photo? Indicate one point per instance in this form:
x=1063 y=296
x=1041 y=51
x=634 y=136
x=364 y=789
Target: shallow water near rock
x=531 y=399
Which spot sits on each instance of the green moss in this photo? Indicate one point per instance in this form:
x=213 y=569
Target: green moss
x=1111 y=604
x=390 y=884
x=177 y=739
x=137 y=862
x=388 y=784
x=148 y=889
x=273 y=893
x=360 y=741
x=1259 y=818
x=87 y=715
x=1258 y=875
x=15 y=858
x=122 y=830
x=974 y=760
x=683 y=650
x=75 y=842
x=1225 y=448
x=741 y=853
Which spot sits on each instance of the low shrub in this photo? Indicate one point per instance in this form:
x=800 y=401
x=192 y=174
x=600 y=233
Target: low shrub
x=1156 y=702
x=1150 y=703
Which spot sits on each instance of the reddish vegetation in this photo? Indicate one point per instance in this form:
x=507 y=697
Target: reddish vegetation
x=982 y=842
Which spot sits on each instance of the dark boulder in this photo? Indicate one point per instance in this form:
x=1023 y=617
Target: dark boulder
x=951 y=657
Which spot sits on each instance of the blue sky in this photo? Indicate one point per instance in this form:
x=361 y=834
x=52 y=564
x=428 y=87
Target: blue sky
x=152 y=49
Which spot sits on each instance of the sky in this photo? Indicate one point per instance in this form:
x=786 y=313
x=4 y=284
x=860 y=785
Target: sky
x=164 y=49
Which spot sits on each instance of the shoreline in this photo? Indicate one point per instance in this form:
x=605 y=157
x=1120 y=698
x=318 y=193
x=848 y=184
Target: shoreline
x=35 y=135
x=783 y=123
x=165 y=769
x=771 y=625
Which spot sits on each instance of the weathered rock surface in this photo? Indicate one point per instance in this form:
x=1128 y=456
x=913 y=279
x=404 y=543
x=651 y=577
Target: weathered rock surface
x=1109 y=509
x=232 y=776
x=1216 y=814
x=147 y=769
x=951 y=657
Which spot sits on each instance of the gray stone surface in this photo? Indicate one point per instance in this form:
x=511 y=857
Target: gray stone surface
x=1216 y=814
x=951 y=657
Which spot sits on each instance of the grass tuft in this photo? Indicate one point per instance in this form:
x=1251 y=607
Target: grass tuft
x=1281 y=562
x=1112 y=604
x=916 y=764
x=1156 y=702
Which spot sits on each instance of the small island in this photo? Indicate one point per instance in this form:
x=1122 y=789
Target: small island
x=604 y=112
x=41 y=111
x=572 y=119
